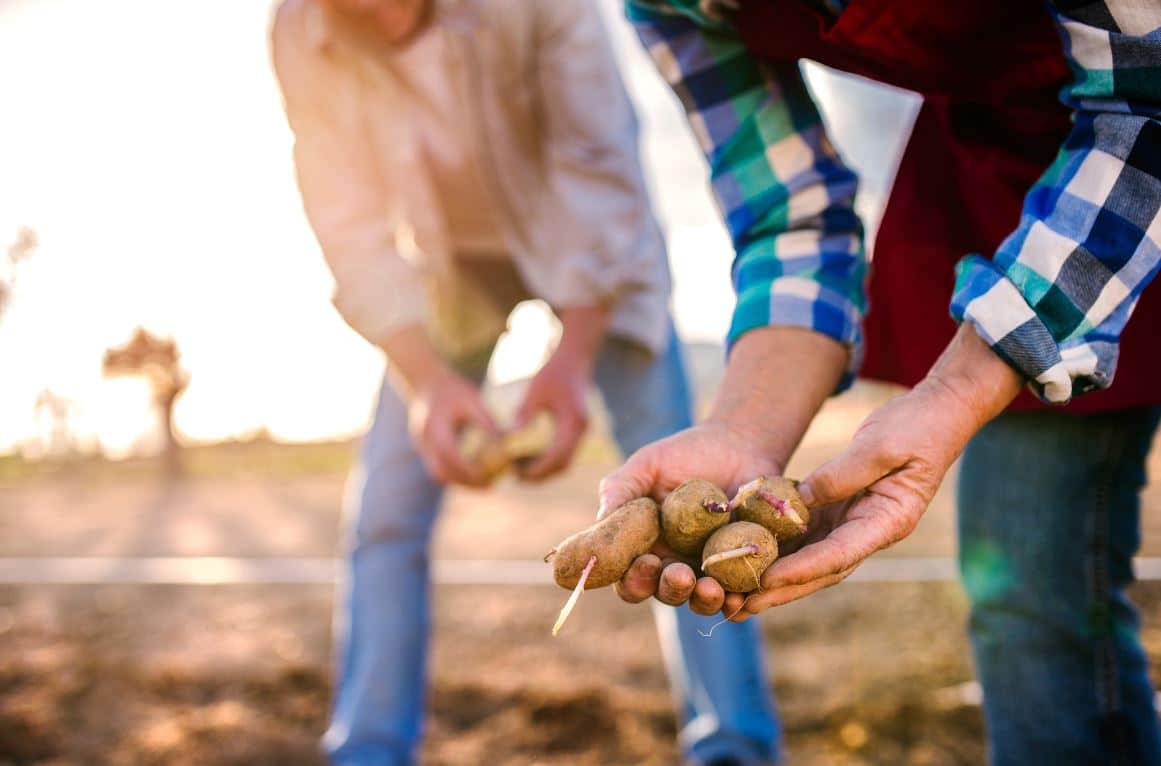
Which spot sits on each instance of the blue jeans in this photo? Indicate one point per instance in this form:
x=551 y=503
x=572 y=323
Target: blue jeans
x=384 y=615
x=1048 y=520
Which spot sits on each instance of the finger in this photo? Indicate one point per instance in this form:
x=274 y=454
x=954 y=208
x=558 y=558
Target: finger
x=443 y=446
x=732 y=604
x=529 y=406
x=779 y=596
x=640 y=582
x=434 y=467
x=708 y=597
x=861 y=464
x=569 y=431
x=632 y=480
x=472 y=410
x=676 y=584
x=842 y=550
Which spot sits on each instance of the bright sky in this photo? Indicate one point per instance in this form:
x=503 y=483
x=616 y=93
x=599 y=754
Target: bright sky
x=144 y=141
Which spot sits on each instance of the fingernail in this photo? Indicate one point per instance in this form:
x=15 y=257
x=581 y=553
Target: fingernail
x=601 y=509
x=807 y=495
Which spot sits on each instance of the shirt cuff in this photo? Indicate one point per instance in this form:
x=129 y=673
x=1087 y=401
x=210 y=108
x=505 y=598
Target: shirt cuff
x=805 y=303
x=996 y=308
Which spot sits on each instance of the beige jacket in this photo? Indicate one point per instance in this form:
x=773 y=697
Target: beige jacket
x=557 y=142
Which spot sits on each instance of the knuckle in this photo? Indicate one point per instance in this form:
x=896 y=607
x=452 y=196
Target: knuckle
x=890 y=453
x=844 y=574
x=904 y=526
x=824 y=482
x=629 y=594
x=846 y=557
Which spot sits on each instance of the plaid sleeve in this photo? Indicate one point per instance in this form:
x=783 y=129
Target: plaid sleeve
x=1060 y=289
x=785 y=195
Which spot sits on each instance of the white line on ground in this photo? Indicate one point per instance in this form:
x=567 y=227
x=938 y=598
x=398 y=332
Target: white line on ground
x=971 y=694
x=224 y=570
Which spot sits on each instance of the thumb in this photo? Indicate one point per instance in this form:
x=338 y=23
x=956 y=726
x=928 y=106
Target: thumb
x=475 y=411
x=632 y=480
x=530 y=403
x=860 y=465
x=526 y=412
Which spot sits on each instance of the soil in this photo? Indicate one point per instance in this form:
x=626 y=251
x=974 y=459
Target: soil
x=240 y=675
x=137 y=675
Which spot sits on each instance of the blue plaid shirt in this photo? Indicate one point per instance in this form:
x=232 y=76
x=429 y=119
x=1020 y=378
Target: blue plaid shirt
x=1056 y=295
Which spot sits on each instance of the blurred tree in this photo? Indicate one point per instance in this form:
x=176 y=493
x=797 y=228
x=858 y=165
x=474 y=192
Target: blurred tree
x=18 y=252
x=158 y=361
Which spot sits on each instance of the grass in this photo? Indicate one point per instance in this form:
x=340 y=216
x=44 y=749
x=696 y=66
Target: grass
x=261 y=456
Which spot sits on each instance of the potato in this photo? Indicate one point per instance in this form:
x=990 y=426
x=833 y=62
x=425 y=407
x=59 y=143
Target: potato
x=691 y=513
x=615 y=540
x=773 y=502
x=531 y=440
x=737 y=554
x=495 y=455
x=490 y=456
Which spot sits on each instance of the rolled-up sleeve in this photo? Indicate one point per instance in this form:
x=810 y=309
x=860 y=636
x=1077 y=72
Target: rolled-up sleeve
x=786 y=197
x=1059 y=291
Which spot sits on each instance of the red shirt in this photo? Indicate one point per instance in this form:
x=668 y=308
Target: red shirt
x=990 y=124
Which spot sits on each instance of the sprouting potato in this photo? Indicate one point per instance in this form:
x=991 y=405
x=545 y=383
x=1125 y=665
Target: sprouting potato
x=601 y=555
x=691 y=513
x=773 y=502
x=695 y=520
x=495 y=455
x=737 y=554
x=614 y=541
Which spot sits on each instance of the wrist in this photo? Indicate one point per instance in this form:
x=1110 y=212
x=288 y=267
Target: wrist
x=972 y=379
x=776 y=379
x=414 y=359
x=582 y=335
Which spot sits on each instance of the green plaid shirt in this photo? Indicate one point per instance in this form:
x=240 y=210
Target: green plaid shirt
x=1056 y=295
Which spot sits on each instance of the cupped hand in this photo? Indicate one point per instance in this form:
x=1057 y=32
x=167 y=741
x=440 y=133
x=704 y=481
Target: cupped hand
x=870 y=496
x=711 y=451
x=438 y=413
x=560 y=388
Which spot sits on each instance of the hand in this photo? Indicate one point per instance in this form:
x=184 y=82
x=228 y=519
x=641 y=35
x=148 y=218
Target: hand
x=713 y=451
x=561 y=386
x=560 y=389
x=438 y=411
x=758 y=417
x=873 y=494
x=867 y=498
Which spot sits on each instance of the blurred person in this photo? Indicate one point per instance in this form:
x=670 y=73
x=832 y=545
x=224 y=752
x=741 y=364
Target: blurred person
x=455 y=158
x=1039 y=144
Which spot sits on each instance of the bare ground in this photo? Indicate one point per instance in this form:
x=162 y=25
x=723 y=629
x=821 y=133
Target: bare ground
x=171 y=675
x=864 y=673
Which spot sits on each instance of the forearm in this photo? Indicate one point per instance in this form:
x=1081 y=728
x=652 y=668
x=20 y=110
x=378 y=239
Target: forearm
x=974 y=379
x=582 y=335
x=1060 y=289
x=413 y=358
x=776 y=380
x=785 y=195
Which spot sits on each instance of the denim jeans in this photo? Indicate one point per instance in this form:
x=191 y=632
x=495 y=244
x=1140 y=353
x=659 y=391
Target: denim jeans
x=383 y=616
x=1048 y=522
